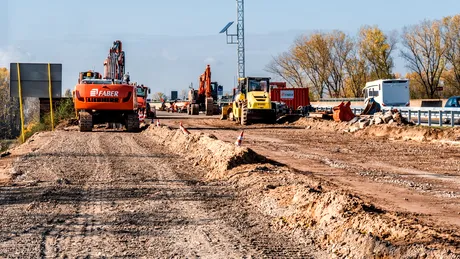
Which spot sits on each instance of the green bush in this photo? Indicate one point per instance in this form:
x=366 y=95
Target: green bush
x=64 y=110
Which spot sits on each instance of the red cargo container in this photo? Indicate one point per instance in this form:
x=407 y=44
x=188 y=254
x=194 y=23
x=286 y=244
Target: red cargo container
x=292 y=97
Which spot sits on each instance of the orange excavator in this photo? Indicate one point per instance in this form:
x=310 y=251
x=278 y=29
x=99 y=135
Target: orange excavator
x=142 y=93
x=111 y=99
x=205 y=98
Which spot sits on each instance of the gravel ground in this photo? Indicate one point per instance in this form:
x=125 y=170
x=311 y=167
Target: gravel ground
x=110 y=194
x=398 y=175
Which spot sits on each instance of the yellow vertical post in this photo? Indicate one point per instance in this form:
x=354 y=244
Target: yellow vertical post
x=51 y=96
x=20 y=103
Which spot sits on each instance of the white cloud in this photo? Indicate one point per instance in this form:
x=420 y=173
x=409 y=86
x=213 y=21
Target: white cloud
x=165 y=54
x=12 y=54
x=212 y=61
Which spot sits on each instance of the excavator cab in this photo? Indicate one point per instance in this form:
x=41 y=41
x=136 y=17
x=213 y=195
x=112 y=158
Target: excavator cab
x=89 y=75
x=214 y=87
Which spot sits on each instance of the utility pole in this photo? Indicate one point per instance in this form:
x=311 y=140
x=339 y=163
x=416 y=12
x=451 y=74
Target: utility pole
x=238 y=38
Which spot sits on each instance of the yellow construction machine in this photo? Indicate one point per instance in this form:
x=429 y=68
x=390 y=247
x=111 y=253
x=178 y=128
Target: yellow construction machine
x=251 y=102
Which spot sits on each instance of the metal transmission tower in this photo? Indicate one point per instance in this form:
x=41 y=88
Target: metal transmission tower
x=239 y=36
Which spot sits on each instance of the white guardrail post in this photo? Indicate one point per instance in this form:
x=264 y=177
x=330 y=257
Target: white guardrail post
x=419 y=117
x=429 y=118
x=440 y=118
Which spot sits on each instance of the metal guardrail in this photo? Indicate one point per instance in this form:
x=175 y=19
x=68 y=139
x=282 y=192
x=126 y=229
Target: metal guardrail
x=443 y=116
x=342 y=100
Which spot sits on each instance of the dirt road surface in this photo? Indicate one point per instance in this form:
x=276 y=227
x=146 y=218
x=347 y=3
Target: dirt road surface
x=322 y=193
x=394 y=174
x=110 y=194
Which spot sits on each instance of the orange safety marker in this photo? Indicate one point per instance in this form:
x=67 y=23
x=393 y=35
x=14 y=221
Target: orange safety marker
x=239 y=139
x=184 y=130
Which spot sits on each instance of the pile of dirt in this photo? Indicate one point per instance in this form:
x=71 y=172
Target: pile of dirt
x=14 y=151
x=418 y=133
x=394 y=130
x=204 y=149
x=321 y=124
x=338 y=221
x=67 y=123
x=312 y=209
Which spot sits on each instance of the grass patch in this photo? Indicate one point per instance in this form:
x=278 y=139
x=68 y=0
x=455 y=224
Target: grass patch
x=64 y=110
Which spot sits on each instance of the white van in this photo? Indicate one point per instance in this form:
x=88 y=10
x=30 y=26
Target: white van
x=388 y=92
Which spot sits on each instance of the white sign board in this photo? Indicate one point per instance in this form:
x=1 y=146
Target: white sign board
x=287 y=94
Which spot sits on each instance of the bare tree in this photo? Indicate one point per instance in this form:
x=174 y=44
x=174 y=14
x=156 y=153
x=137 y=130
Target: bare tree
x=158 y=96
x=376 y=48
x=9 y=107
x=452 y=40
x=311 y=53
x=286 y=67
x=340 y=47
x=357 y=74
x=424 y=53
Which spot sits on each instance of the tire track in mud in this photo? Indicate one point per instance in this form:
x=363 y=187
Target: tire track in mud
x=80 y=222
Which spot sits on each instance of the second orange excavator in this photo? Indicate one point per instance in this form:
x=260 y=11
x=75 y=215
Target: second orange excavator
x=205 y=98
x=142 y=93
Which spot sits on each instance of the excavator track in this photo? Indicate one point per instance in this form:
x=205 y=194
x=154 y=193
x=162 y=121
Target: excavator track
x=209 y=106
x=195 y=109
x=85 y=122
x=132 y=122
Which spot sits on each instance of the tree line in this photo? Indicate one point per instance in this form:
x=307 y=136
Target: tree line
x=334 y=64
x=9 y=107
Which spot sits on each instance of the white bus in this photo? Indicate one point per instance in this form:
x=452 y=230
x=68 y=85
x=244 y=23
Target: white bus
x=388 y=92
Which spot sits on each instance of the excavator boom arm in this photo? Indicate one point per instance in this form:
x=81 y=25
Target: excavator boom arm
x=205 y=83
x=114 y=65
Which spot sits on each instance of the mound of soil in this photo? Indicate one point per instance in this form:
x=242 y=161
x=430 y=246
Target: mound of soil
x=205 y=149
x=418 y=133
x=338 y=221
x=67 y=123
x=391 y=131
x=312 y=209
x=318 y=123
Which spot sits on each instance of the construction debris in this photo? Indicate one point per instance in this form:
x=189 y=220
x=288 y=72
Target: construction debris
x=342 y=112
x=390 y=117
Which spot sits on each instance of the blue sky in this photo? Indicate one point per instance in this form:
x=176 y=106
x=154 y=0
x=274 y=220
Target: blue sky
x=169 y=43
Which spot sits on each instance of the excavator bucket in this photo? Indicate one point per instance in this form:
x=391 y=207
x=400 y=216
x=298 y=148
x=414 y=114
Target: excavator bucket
x=342 y=112
x=371 y=107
